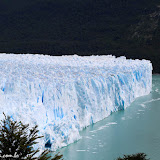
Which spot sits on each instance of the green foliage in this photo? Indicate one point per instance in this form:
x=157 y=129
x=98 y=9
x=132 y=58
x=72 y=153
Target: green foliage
x=17 y=140
x=138 y=156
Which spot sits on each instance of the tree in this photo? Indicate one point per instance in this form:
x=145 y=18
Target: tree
x=138 y=156
x=17 y=140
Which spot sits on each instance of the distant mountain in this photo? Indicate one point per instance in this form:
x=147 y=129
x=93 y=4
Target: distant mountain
x=84 y=27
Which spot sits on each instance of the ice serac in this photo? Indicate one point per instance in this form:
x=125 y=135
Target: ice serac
x=65 y=94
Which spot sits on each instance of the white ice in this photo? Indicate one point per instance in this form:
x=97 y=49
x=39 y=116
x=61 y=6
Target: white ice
x=65 y=94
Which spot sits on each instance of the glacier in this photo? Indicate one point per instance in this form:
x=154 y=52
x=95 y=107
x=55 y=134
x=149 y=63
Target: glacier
x=63 y=95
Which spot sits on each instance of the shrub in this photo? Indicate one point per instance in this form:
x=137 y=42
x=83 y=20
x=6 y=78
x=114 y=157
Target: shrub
x=17 y=140
x=138 y=156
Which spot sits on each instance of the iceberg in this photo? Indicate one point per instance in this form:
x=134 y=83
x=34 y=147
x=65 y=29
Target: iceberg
x=63 y=95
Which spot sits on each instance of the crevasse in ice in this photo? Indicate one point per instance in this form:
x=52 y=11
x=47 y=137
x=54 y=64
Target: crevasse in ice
x=65 y=94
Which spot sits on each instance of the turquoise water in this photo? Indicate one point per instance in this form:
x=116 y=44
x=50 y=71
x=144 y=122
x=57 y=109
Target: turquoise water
x=137 y=129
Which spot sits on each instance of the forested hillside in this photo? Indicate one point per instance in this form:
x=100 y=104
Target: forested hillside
x=83 y=27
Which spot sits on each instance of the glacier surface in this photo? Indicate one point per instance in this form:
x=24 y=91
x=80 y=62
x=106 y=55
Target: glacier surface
x=65 y=94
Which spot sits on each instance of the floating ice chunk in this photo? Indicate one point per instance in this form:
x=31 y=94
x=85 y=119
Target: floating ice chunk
x=123 y=118
x=110 y=123
x=81 y=150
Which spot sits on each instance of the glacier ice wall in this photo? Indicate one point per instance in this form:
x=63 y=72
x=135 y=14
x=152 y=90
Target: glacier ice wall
x=65 y=94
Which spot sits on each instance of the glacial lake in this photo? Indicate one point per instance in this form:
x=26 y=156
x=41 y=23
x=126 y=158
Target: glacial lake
x=136 y=129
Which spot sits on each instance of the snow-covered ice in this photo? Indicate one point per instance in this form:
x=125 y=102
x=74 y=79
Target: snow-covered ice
x=65 y=94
